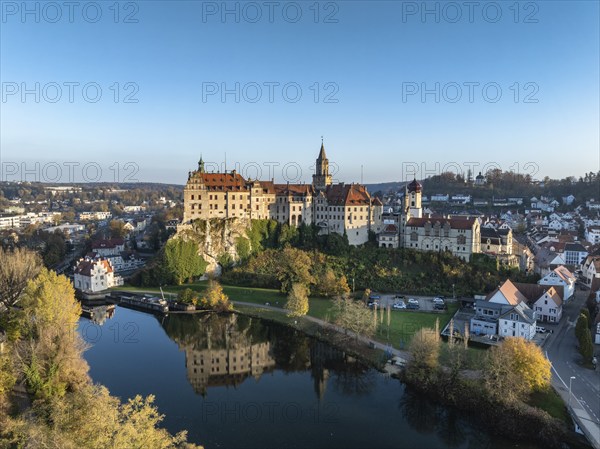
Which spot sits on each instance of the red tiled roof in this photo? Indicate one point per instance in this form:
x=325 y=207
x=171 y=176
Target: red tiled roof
x=293 y=189
x=85 y=267
x=347 y=195
x=223 y=181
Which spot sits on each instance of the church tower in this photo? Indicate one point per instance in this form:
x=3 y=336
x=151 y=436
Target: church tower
x=412 y=200
x=322 y=178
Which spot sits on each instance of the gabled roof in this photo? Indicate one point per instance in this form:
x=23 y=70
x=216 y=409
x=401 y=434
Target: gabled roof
x=108 y=243
x=525 y=313
x=85 y=266
x=564 y=273
x=533 y=292
x=222 y=181
x=293 y=189
x=347 y=195
x=509 y=292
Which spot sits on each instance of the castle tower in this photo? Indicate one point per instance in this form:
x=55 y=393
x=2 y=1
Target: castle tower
x=412 y=200
x=322 y=178
x=201 y=165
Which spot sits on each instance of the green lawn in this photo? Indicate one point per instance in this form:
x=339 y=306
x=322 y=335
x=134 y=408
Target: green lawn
x=551 y=402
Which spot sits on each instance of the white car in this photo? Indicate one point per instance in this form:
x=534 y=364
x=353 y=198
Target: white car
x=413 y=301
x=399 y=305
x=438 y=301
x=541 y=330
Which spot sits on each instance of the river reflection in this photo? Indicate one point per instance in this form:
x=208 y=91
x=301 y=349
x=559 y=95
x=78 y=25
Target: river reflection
x=239 y=382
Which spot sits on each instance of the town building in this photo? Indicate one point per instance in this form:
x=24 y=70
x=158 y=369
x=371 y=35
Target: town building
x=459 y=235
x=345 y=209
x=561 y=276
x=94 y=275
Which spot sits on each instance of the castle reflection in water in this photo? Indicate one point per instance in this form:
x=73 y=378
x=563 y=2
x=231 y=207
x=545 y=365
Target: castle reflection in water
x=225 y=350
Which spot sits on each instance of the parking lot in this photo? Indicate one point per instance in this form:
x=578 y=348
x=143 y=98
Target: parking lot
x=425 y=302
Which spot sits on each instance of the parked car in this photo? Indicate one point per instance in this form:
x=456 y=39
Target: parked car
x=400 y=297
x=399 y=305
x=412 y=306
x=373 y=302
x=413 y=301
x=441 y=306
x=438 y=300
x=541 y=330
x=374 y=296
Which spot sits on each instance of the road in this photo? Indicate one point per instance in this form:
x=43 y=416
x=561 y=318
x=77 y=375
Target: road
x=560 y=347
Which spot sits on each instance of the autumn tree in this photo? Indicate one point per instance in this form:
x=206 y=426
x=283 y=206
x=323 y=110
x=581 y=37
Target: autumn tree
x=294 y=267
x=51 y=355
x=215 y=299
x=581 y=325
x=424 y=350
x=16 y=269
x=297 y=301
x=117 y=229
x=183 y=261
x=330 y=285
x=515 y=369
x=353 y=316
x=188 y=296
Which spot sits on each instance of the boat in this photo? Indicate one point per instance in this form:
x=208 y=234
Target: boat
x=145 y=302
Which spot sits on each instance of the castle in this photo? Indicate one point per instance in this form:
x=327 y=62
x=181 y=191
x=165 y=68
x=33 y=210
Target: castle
x=334 y=208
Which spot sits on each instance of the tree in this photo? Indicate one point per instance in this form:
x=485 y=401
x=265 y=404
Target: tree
x=353 y=316
x=183 y=261
x=294 y=267
x=586 y=347
x=424 y=349
x=117 y=229
x=581 y=325
x=297 y=302
x=515 y=369
x=188 y=296
x=16 y=269
x=215 y=299
x=328 y=284
x=51 y=359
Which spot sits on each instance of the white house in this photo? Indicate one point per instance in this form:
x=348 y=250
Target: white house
x=568 y=200
x=438 y=197
x=561 y=276
x=108 y=247
x=592 y=234
x=597 y=339
x=548 y=307
x=575 y=253
x=591 y=271
x=94 y=275
x=504 y=312
x=517 y=322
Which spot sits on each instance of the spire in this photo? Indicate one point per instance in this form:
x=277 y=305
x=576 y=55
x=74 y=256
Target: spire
x=201 y=165
x=322 y=154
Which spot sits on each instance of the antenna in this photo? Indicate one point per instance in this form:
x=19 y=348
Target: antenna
x=225 y=170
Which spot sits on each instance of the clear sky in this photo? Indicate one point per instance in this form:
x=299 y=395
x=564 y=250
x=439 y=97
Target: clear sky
x=395 y=87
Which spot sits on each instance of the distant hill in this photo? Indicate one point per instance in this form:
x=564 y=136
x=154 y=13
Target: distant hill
x=385 y=187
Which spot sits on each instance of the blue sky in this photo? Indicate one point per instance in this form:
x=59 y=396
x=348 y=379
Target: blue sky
x=361 y=67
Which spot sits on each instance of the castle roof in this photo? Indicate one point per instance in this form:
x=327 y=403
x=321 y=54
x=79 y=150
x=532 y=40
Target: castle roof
x=222 y=181
x=455 y=223
x=347 y=195
x=293 y=189
x=85 y=266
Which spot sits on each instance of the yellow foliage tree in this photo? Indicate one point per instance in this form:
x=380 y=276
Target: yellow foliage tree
x=516 y=368
x=50 y=358
x=424 y=351
x=297 y=302
x=215 y=299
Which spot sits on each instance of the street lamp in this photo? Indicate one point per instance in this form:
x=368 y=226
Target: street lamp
x=570 y=381
x=453 y=294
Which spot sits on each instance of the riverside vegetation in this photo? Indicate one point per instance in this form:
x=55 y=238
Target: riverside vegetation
x=47 y=398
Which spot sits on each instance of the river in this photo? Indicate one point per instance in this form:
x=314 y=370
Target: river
x=233 y=381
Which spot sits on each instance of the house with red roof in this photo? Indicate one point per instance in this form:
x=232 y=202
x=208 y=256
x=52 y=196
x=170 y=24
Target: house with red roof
x=94 y=275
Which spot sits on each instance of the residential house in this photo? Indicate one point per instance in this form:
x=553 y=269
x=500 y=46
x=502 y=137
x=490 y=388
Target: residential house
x=108 y=247
x=563 y=277
x=544 y=300
x=591 y=272
x=592 y=234
x=574 y=254
x=94 y=275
